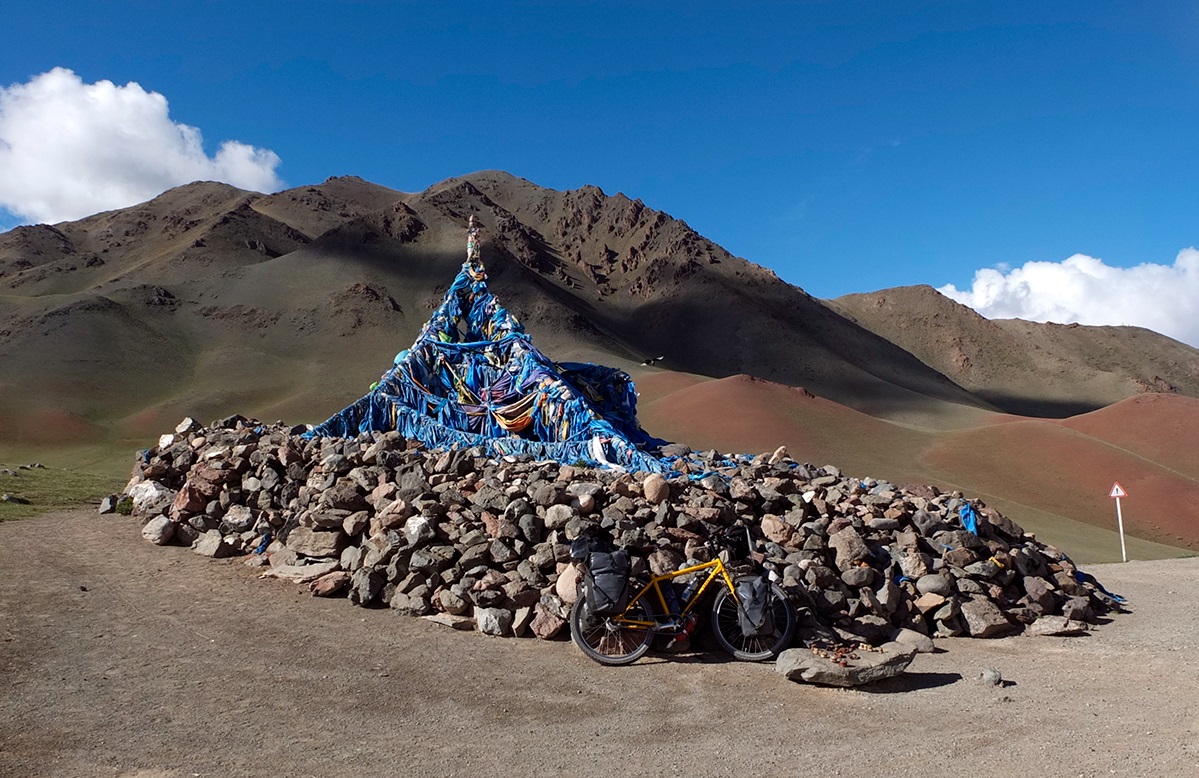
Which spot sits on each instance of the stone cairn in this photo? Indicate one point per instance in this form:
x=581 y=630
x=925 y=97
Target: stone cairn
x=483 y=544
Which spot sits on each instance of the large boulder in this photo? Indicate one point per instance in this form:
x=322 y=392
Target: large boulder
x=655 y=488
x=567 y=585
x=984 y=619
x=843 y=667
x=213 y=545
x=315 y=542
x=159 y=530
x=494 y=621
x=150 y=497
x=849 y=546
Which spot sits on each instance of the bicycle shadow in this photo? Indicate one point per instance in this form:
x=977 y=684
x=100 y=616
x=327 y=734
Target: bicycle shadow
x=702 y=650
x=907 y=682
x=696 y=655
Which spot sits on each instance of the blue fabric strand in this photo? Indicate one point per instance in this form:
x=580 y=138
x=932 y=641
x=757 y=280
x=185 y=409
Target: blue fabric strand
x=473 y=378
x=969 y=518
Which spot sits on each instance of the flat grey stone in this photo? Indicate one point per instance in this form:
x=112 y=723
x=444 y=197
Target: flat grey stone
x=1057 y=626
x=803 y=665
x=450 y=620
x=301 y=573
x=556 y=516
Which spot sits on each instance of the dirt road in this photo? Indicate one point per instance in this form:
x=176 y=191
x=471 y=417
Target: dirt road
x=118 y=658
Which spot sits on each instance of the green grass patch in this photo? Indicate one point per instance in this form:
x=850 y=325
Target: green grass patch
x=41 y=489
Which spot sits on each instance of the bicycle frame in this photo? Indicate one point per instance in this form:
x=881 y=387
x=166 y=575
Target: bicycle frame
x=660 y=609
x=625 y=637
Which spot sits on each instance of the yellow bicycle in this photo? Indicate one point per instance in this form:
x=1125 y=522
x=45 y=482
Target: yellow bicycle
x=624 y=637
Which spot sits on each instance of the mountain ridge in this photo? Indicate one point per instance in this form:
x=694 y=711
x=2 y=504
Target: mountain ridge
x=210 y=300
x=635 y=278
x=1076 y=368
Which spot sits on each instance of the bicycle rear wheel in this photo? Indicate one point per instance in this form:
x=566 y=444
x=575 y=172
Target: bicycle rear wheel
x=607 y=640
x=726 y=627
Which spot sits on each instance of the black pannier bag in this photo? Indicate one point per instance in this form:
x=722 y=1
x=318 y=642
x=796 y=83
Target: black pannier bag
x=606 y=582
x=756 y=613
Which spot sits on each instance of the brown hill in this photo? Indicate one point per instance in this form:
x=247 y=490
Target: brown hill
x=210 y=300
x=665 y=290
x=1023 y=367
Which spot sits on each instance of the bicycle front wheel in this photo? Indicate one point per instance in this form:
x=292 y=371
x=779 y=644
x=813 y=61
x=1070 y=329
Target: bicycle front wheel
x=607 y=640
x=726 y=627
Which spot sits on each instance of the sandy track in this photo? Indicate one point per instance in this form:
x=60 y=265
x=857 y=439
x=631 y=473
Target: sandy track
x=121 y=658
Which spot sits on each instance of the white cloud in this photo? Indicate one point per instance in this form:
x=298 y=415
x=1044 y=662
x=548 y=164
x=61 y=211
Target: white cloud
x=1163 y=298
x=69 y=149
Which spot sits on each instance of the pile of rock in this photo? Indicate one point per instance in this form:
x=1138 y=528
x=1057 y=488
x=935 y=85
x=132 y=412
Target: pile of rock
x=484 y=544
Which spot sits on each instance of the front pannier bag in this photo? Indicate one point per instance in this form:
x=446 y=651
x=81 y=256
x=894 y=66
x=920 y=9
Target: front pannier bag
x=756 y=613
x=606 y=582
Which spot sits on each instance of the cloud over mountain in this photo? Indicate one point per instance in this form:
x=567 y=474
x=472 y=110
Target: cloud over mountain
x=69 y=149
x=1083 y=289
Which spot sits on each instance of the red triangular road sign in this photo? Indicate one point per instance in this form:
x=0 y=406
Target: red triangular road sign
x=1117 y=490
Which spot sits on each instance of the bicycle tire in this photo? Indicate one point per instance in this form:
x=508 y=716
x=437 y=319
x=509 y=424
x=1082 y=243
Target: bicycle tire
x=607 y=641
x=726 y=626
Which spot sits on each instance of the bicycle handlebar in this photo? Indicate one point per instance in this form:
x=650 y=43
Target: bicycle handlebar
x=729 y=538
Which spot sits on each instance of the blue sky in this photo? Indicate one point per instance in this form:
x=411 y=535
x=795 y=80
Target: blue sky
x=849 y=146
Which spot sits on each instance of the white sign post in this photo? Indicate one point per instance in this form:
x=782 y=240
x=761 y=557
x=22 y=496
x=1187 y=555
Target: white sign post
x=1117 y=492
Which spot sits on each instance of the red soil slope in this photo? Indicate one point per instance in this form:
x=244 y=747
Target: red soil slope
x=1163 y=428
x=1065 y=472
x=1062 y=468
x=741 y=413
x=50 y=426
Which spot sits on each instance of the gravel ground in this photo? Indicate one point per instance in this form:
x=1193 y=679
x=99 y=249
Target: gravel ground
x=118 y=658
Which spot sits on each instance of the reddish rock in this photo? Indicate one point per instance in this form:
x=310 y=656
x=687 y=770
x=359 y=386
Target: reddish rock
x=960 y=557
x=929 y=601
x=330 y=584
x=921 y=490
x=491 y=523
x=188 y=501
x=664 y=561
x=742 y=490
x=546 y=624
x=776 y=529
